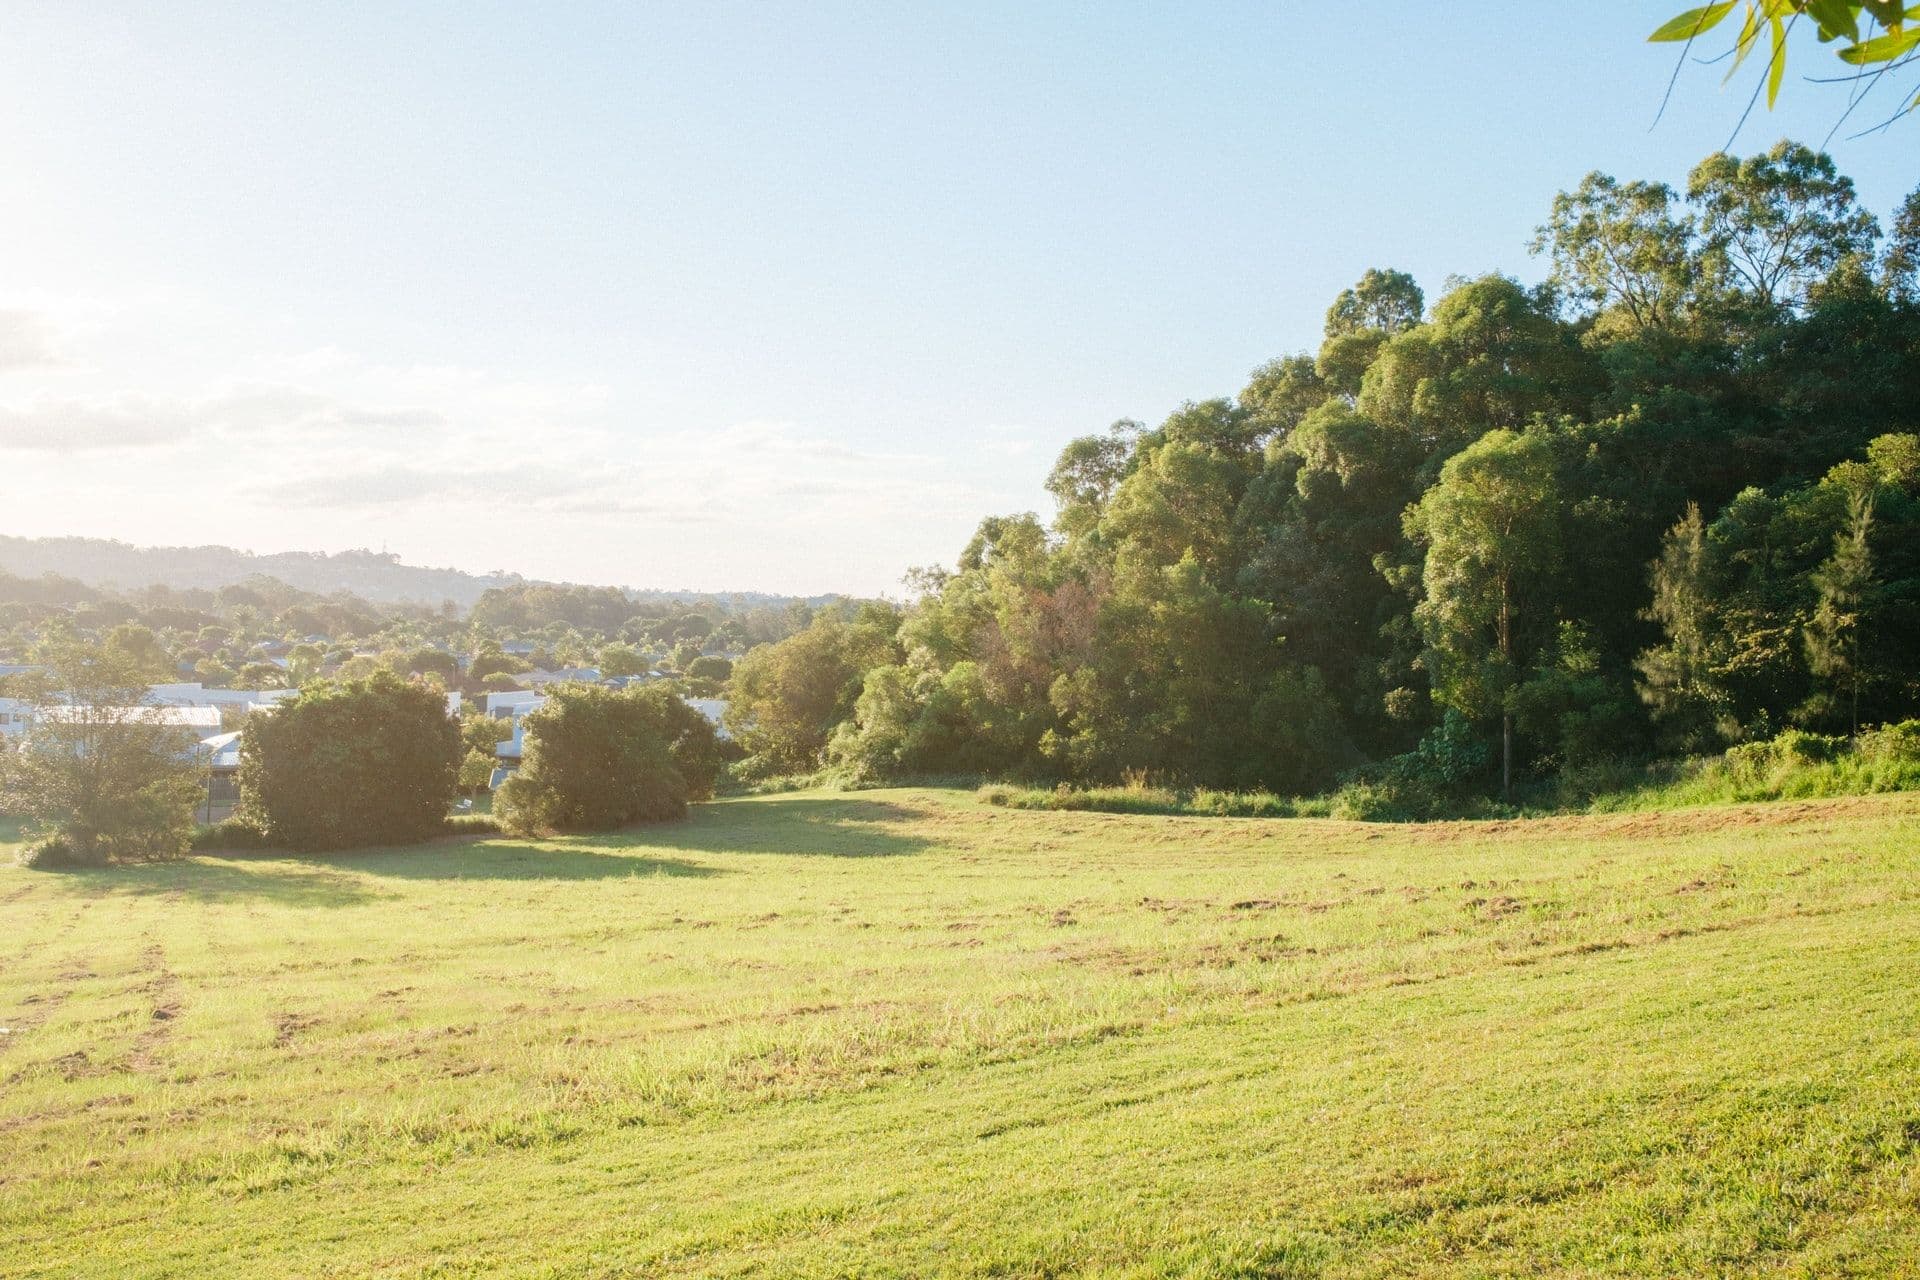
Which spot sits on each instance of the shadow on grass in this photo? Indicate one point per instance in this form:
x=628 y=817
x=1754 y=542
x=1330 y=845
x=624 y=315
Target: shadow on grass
x=218 y=879
x=804 y=826
x=505 y=858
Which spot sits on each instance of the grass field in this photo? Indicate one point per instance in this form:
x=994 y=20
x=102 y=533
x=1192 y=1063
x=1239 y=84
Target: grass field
x=907 y=1034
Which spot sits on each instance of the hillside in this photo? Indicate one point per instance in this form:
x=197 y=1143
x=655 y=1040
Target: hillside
x=905 y=1034
x=371 y=575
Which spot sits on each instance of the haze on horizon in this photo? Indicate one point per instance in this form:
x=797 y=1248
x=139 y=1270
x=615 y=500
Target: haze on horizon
x=742 y=298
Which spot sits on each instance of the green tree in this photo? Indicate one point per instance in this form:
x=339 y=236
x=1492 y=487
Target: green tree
x=1491 y=531
x=710 y=667
x=595 y=759
x=101 y=768
x=351 y=763
x=786 y=699
x=1775 y=226
x=1621 y=248
x=1677 y=676
x=303 y=663
x=621 y=659
x=141 y=650
x=1833 y=633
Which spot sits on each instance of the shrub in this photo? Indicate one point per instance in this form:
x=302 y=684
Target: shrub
x=52 y=854
x=595 y=759
x=1753 y=761
x=1892 y=744
x=472 y=824
x=347 y=764
x=228 y=833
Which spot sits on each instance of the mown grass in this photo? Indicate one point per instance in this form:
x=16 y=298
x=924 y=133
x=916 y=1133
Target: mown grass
x=908 y=1034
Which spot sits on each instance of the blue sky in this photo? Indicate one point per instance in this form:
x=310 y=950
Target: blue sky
x=739 y=296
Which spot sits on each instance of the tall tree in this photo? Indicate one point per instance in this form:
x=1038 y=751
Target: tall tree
x=1676 y=679
x=1620 y=247
x=1775 y=226
x=1833 y=633
x=1491 y=532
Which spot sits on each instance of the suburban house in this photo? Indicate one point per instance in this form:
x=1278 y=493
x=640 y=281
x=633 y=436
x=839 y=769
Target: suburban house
x=511 y=702
x=220 y=757
x=189 y=724
x=195 y=694
x=16 y=715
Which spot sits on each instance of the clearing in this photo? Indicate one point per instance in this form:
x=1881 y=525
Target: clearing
x=905 y=1034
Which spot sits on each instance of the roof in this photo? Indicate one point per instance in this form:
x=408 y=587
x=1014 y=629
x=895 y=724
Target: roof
x=172 y=717
x=222 y=751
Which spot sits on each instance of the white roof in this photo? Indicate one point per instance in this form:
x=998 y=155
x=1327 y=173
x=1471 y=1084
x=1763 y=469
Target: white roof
x=222 y=750
x=172 y=717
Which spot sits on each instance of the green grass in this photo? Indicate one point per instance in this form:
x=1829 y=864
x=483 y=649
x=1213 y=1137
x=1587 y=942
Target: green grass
x=908 y=1034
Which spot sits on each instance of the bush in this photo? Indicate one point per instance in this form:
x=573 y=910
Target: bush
x=228 y=834
x=472 y=824
x=1792 y=766
x=348 y=764
x=1892 y=744
x=53 y=854
x=1141 y=798
x=596 y=759
x=1753 y=761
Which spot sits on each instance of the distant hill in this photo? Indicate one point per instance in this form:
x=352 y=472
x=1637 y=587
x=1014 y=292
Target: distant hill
x=370 y=575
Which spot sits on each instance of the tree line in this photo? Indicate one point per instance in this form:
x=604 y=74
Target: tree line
x=1665 y=501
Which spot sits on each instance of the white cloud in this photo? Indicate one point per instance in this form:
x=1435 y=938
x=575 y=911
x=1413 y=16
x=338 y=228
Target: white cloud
x=26 y=341
x=85 y=426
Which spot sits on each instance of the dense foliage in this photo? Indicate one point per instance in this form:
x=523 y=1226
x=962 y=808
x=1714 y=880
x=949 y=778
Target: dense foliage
x=599 y=758
x=101 y=774
x=1666 y=501
x=350 y=763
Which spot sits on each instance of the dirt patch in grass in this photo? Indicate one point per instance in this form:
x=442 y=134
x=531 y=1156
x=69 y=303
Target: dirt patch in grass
x=164 y=991
x=289 y=1025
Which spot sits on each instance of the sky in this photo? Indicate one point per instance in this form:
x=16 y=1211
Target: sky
x=742 y=297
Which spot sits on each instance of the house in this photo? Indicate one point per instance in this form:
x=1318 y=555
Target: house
x=220 y=757
x=195 y=694
x=509 y=702
x=189 y=725
x=16 y=716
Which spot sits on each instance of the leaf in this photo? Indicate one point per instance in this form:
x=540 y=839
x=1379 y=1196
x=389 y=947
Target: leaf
x=1836 y=18
x=1777 y=69
x=1749 y=37
x=1885 y=48
x=1691 y=23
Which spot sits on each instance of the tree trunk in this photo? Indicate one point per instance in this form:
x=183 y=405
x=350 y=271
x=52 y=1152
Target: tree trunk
x=1506 y=755
x=1506 y=712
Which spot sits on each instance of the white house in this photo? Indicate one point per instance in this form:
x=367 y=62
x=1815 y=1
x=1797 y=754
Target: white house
x=190 y=724
x=513 y=702
x=16 y=716
x=195 y=694
x=220 y=757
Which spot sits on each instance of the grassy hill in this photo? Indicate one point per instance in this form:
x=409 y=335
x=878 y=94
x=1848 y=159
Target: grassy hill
x=907 y=1034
